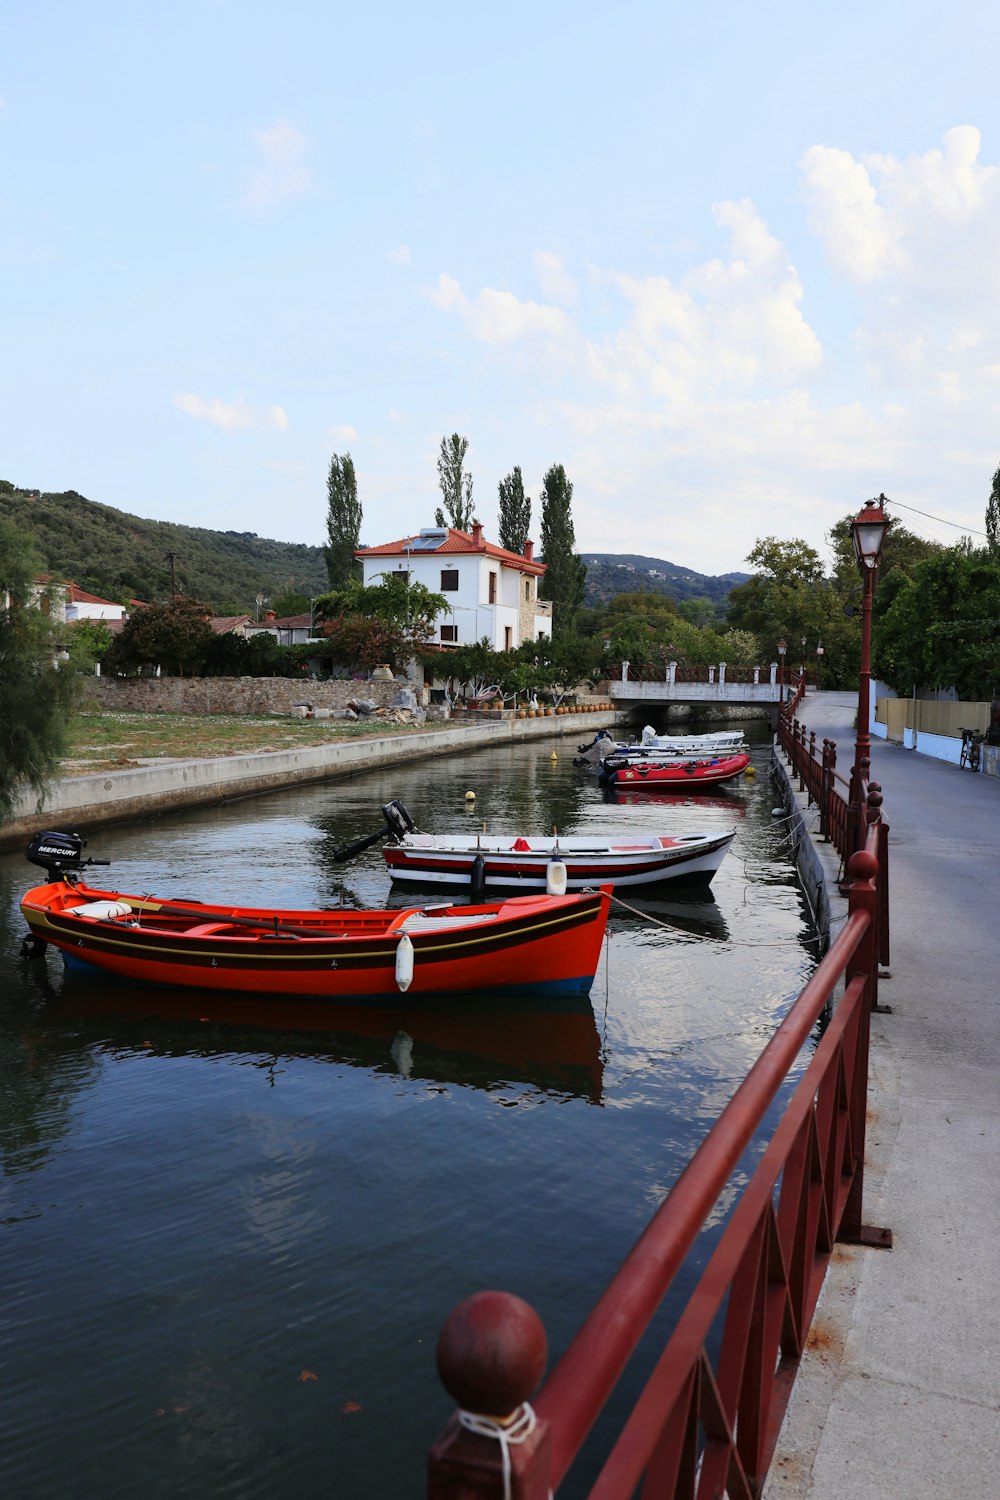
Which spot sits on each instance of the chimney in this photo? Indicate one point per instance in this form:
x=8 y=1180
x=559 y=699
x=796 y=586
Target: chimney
x=477 y=533
x=270 y=615
x=529 y=551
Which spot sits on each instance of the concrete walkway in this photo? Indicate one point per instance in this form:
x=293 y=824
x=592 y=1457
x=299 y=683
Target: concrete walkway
x=899 y=1391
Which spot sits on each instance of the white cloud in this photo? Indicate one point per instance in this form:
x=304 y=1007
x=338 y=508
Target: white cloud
x=917 y=239
x=231 y=415
x=400 y=256
x=553 y=277
x=499 y=317
x=282 y=174
x=845 y=213
x=344 y=433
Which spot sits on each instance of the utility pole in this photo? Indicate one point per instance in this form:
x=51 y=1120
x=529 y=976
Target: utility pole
x=173 y=576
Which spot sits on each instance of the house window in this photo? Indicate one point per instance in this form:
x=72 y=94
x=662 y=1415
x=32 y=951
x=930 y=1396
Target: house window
x=527 y=588
x=542 y=636
x=449 y=633
x=508 y=637
x=493 y=588
x=403 y=573
x=449 y=580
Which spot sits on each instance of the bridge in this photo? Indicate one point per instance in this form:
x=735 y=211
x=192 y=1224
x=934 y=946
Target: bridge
x=715 y=685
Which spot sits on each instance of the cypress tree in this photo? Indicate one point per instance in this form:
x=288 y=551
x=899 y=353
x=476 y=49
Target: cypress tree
x=993 y=516
x=565 y=572
x=343 y=521
x=456 y=485
x=515 y=511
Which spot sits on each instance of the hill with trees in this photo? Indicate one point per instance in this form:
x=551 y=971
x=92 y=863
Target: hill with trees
x=122 y=557
x=609 y=574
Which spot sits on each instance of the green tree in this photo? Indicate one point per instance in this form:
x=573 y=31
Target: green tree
x=35 y=695
x=456 y=485
x=174 y=636
x=343 y=520
x=559 y=665
x=390 y=621
x=292 y=603
x=993 y=517
x=565 y=573
x=515 y=511
x=940 y=628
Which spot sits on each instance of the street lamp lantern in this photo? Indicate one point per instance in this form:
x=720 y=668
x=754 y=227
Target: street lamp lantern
x=819 y=655
x=868 y=531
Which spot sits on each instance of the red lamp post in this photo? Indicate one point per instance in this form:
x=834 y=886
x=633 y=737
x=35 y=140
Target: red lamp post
x=782 y=648
x=868 y=530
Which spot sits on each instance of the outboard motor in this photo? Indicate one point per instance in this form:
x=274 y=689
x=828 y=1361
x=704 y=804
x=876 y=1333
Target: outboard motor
x=398 y=823
x=59 y=854
x=397 y=819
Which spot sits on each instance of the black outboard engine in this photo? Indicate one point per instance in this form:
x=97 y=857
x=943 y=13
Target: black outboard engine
x=397 y=819
x=59 y=854
x=398 y=823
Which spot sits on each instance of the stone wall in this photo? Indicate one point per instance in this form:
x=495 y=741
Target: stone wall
x=229 y=695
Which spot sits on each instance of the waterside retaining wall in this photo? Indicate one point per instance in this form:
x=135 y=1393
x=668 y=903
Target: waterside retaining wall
x=116 y=796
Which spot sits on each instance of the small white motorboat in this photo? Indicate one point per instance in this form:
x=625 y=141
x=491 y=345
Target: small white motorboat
x=489 y=861
x=660 y=746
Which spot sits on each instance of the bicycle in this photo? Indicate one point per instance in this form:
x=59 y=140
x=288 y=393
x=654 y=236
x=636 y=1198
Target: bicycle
x=972 y=744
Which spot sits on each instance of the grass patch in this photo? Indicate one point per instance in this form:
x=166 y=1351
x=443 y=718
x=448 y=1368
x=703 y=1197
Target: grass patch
x=117 y=741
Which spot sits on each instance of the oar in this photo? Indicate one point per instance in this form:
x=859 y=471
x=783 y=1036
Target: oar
x=263 y=924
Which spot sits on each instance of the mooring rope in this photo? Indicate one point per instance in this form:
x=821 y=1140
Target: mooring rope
x=508 y=1434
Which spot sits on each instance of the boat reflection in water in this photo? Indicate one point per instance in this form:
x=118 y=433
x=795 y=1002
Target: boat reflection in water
x=686 y=914
x=728 y=799
x=551 y=1045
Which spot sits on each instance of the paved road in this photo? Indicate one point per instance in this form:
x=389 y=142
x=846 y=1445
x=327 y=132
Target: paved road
x=899 y=1393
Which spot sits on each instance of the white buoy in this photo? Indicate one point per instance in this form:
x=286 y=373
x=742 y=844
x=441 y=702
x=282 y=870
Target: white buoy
x=555 y=878
x=404 y=962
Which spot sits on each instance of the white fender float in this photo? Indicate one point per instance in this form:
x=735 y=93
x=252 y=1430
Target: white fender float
x=404 y=962
x=555 y=878
x=102 y=911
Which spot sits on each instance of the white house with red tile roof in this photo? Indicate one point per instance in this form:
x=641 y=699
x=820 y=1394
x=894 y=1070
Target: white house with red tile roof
x=491 y=592
x=289 y=630
x=83 y=606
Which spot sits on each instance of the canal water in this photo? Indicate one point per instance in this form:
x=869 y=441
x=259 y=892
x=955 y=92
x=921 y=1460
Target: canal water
x=230 y=1233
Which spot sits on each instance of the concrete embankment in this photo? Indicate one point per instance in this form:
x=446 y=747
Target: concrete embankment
x=115 y=796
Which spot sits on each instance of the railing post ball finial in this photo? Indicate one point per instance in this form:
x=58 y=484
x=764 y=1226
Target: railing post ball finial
x=862 y=865
x=874 y=798
x=491 y=1353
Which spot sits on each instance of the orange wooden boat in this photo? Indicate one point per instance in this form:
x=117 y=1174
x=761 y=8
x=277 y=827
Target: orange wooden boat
x=529 y=944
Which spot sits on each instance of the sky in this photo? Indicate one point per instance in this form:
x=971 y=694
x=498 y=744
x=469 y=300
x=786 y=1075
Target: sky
x=735 y=267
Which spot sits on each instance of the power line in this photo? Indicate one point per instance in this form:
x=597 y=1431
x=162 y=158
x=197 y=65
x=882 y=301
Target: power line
x=968 y=530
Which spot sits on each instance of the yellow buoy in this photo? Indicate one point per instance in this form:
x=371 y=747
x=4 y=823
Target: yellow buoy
x=553 y=756
x=470 y=796
x=750 y=772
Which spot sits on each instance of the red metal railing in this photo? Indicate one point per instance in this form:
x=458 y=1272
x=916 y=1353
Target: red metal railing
x=843 y=822
x=708 y=1416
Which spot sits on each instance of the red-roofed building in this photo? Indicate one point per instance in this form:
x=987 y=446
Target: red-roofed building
x=83 y=606
x=491 y=592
